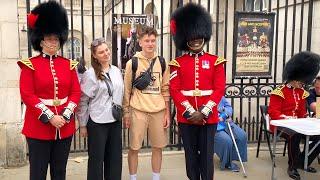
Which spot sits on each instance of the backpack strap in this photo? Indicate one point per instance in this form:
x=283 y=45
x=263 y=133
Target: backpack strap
x=134 y=60
x=163 y=64
x=134 y=68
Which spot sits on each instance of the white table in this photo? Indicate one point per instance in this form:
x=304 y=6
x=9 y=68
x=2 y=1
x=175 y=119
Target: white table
x=307 y=126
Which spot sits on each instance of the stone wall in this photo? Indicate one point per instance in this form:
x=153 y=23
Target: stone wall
x=12 y=143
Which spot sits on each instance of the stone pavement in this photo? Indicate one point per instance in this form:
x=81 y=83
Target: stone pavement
x=173 y=168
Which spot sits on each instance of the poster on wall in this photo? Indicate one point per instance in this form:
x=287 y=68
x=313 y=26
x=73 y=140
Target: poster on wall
x=253 y=44
x=125 y=28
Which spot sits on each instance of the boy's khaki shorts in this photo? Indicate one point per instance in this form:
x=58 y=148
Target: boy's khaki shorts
x=141 y=122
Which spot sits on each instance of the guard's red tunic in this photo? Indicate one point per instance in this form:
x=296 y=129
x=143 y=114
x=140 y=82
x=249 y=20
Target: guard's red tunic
x=196 y=81
x=287 y=101
x=48 y=85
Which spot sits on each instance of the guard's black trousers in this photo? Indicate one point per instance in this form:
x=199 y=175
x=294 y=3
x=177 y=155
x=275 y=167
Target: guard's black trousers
x=104 y=150
x=296 y=157
x=44 y=152
x=198 y=143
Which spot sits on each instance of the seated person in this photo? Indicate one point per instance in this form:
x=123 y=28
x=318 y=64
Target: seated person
x=289 y=101
x=223 y=144
x=314 y=92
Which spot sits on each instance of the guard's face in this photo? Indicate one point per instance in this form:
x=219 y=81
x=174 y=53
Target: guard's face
x=102 y=53
x=50 y=44
x=317 y=87
x=148 y=43
x=297 y=84
x=196 y=45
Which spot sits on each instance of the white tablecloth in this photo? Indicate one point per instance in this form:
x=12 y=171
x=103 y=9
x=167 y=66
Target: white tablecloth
x=306 y=126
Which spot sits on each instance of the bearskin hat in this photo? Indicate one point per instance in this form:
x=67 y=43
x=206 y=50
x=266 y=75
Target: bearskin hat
x=46 y=19
x=303 y=67
x=190 y=22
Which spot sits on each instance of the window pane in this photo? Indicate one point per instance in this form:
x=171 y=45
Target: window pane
x=76 y=48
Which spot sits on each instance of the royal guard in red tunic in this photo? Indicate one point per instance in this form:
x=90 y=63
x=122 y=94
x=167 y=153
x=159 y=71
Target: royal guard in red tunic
x=50 y=89
x=197 y=83
x=288 y=101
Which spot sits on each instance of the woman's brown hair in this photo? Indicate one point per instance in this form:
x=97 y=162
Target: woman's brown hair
x=94 y=62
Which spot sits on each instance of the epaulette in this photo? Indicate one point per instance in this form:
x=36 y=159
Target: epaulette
x=26 y=62
x=219 y=61
x=174 y=63
x=73 y=64
x=305 y=94
x=278 y=91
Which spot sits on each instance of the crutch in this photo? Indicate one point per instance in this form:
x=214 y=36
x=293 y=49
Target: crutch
x=236 y=146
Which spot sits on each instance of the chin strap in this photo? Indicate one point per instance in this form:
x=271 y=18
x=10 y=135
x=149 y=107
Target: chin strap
x=197 y=47
x=50 y=47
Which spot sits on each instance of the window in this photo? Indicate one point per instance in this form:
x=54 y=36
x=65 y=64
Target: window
x=76 y=48
x=256 y=5
x=67 y=3
x=108 y=36
x=151 y=9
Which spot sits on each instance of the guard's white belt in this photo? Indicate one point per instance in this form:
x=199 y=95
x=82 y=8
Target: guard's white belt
x=54 y=102
x=197 y=92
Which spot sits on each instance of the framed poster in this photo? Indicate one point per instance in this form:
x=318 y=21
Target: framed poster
x=253 y=44
x=125 y=28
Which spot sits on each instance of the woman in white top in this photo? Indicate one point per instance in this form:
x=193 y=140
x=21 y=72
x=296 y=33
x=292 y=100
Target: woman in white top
x=95 y=114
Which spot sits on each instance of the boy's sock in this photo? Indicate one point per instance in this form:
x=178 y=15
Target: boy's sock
x=155 y=176
x=133 y=176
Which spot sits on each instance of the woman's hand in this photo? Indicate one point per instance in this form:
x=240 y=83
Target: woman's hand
x=229 y=119
x=57 y=121
x=83 y=131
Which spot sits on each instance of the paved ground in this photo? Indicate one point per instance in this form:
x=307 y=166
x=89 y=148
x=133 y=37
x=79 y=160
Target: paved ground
x=174 y=168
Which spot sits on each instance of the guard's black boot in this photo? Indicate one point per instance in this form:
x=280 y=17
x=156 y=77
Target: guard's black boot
x=293 y=173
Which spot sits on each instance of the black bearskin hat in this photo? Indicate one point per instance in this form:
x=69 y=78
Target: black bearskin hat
x=303 y=67
x=190 y=22
x=45 y=19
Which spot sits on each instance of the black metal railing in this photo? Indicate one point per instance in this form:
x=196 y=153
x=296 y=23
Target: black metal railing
x=245 y=95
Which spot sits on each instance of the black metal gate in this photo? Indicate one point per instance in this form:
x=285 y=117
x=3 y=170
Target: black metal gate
x=293 y=33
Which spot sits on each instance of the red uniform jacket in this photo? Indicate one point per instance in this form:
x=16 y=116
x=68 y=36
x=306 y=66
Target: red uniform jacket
x=192 y=79
x=287 y=101
x=42 y=80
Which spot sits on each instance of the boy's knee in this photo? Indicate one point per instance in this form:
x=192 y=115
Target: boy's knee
x=133 y=151
x=156 y=149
